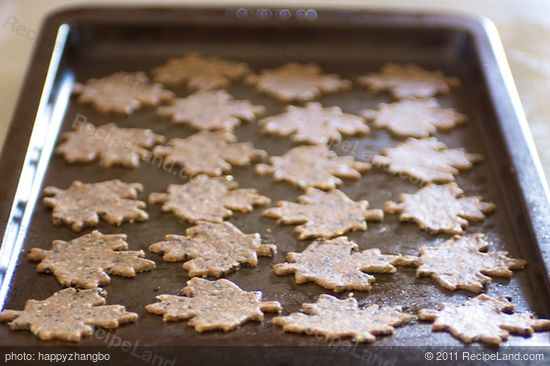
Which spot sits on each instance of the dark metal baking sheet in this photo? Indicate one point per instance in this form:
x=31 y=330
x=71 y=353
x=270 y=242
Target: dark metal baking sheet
x=84 y=43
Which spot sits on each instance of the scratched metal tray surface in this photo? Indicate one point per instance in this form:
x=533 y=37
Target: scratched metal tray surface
x=76 y=45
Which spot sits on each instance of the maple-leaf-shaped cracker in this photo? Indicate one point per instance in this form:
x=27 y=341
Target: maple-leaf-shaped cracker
x=337 y=265
x=208 y=152
x=460 y=263
x=314 y=124
x=199 y=72
x=484 y=319
x=88 y=260
x=313 y=166
x=121 y=92
x=213 y=249
x=427 y=160
x=335 y=319
x=324 y=214
x=297 y=82
x=68 y=315
x=211 y=110
x=414 y=117
x=405 y=81
x=112 y=145
x=440 y=208
x=82 y=204
x=208 y=199
x=213 y=305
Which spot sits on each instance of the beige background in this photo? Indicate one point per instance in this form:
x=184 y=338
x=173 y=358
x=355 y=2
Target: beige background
x=524 y=26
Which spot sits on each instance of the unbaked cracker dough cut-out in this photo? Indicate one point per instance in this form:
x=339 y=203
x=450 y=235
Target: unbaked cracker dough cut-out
x=82 y=204
x=461 y=263
x=121 y=93
x=324 y=214
x=314 y=124
x=213 y=249
x=199 y=72
x=69 y=315
x=440 y=208
x=297 y=82
x=485 y=319
x=338 y=265
x=427 y=160
x=406 y=81
x=313 y=166
x=211 y=110
x=107 y=143
x=333 y=318
x=414 y=117
x=88 y=260
x=213 y=305
x=208 y=199
x=208 y=152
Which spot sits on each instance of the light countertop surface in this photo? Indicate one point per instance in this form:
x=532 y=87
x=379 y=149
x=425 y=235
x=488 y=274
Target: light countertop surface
x=524 y=26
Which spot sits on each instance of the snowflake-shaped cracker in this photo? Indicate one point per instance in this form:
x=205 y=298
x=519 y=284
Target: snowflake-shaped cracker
x=335 y=319
x=208 y=199
x=427 y=160
x=213 y=249
x=88 y=260
x=313 y=166
x=314 y=124
x=405 y=81
x=324 y=214
x=460 y=263
x=211 y=110
x=108 y=143
x=199 y=72
x=336 y=264
x=440 y=208
x=68 y=315
x=208 y=152
x=213 y=305
x=414 y=117
x=82 y=204
x=297 y=82
x=484 y=319
x=121 y=92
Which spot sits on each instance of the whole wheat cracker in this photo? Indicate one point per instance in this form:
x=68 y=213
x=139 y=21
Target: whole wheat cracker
x=211 y=110
x=208 y=152
x=82 y=204
x=440 y=208
x=213 y=249
x=314 y=124
x=324 y=214
x=297 y=82
x=88 y=260
x=408 y=80
x=108 y=143
x=121 y=93
x=213 y=305
x=414 y=117
x=68 y=314
x=462 y=263
x=199 y=72
x=333 y=318
x=426 y=160
x=485 y=319
x=208 y=199
x=337 y=264
x=313 y=166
